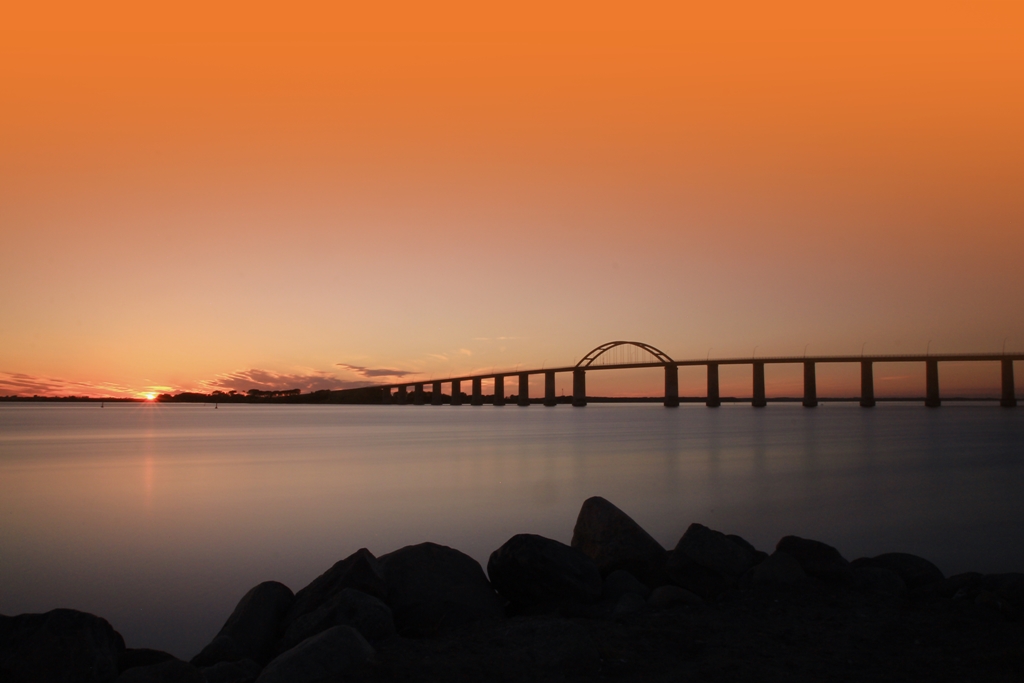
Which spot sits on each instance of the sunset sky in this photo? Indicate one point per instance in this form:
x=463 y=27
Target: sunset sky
x=288 y=195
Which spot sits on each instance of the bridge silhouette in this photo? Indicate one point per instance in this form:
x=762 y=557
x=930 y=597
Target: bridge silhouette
x=620 y=355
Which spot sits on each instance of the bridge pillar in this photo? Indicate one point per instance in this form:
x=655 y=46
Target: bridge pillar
x=810 y=385
x=403 y=395
x=713 y=400
x=417 y=395
x=385 y=395
x=1009 y=399
x=478 y=394
x=671 y=386
x=524 y=389
x=579 y=388
x=759 y=399
x=435 y=394
x=867 y=384
x=932 y=399
x=456 y=392
x=549 y=388
x=499 y=390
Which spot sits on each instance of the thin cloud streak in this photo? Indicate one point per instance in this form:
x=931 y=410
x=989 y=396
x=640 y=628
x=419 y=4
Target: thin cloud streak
x=21 y=384
x=375 y=372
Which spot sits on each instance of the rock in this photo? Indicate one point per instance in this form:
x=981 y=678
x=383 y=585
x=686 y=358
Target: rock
x=242 y=671
x=532 y=570
x=542 y=649
x=365 y=613
x=620 y=582
x=817 y=559
x=758 y=555
x=1008 y=587
x=133 y=657
x=1003 y=592
x=705 y=582
x=708 y=562
x=609 y=537
x=627 y=604
x=252 y=629
x=779 y=569
x=328 y=656
x=995 y=603
x=666 y=596
x=63 y=645
x=950 y=587
x=360 y=571
x=712 y=550
x=915 y=571
x=880 y=580
x=432 y=587
x=170 y=671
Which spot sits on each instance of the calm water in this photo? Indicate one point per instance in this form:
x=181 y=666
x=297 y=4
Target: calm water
x=160 y=517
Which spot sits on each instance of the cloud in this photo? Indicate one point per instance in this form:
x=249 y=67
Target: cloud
x=20 y=384
x=466 y=352
x=438 y=356
x=375 y=372
x=267 y=380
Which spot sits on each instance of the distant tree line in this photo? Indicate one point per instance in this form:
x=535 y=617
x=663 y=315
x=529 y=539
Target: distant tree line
x=363 y=395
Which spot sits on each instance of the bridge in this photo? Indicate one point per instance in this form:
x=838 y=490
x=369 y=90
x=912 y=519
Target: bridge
x=619 y=355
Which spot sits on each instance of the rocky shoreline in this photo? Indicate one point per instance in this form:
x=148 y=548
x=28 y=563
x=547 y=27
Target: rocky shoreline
x=612 y=605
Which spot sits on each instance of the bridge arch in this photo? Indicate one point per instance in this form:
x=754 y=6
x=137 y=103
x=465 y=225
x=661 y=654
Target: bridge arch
x=624 y=353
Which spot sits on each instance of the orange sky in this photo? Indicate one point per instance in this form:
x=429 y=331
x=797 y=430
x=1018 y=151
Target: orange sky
x=246 y=195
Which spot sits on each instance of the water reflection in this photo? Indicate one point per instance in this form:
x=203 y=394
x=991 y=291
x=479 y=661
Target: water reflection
x=160 y=517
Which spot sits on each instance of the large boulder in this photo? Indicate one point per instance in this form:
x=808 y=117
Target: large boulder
x=620 y=582
x=669 y=595
x=433 y=587
x=365 y=613
x=360 y=571
x=60 y=646
x=706 y=583
x=915 y=571
x=1009 y=587
x=531 y=570
x=134 y=657
x=759 y=555
x=611 y=538
x=817 y=559
x=713 y=550
x=708 y=562
x=328 y=656
x=242 y=671
x=170 y=671
x=780 y=569
x=253 y=628
x=879 y=580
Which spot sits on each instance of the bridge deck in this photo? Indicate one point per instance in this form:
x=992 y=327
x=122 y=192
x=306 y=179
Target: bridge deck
x=749 y=360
